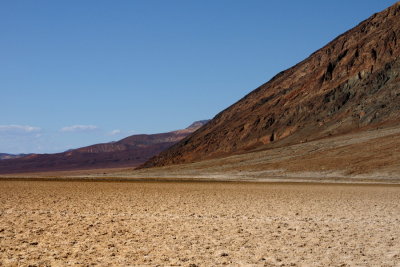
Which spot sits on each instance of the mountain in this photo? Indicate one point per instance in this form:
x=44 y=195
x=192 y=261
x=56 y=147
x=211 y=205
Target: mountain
x=349 y=85
x=11 y=156
x=128 y=152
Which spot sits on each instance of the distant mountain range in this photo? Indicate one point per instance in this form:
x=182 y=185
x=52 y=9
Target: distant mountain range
x=351 y=84
x=128 y=152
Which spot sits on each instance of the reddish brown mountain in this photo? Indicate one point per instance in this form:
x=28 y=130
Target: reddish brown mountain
x=351 y=83
x=128 y=152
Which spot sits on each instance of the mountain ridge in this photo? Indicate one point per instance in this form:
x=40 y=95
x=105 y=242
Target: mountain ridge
x=130 y=151
x=348 y=84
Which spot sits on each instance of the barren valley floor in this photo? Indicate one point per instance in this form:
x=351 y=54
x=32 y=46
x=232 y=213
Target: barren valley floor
x=203 y=224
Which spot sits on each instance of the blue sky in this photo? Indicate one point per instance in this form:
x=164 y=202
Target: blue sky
x=75 y=73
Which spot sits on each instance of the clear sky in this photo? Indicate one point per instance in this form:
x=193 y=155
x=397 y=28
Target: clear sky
x=75 y=73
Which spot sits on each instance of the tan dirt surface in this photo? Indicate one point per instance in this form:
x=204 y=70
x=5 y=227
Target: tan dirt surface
x=204 y=224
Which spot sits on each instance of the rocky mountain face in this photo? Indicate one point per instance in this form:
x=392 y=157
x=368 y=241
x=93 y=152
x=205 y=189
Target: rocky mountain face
x=128 y=152
x=352 y=83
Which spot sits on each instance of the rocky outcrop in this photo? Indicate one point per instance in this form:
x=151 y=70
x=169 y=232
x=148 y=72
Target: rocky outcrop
x=349 y=84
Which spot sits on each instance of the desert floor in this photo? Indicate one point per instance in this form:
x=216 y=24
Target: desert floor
x=198 y=223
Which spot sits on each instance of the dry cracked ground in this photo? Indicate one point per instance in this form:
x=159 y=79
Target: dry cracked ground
x=198 y=224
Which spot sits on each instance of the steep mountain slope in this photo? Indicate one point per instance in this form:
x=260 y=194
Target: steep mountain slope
x=351 y=83
x=128 y=152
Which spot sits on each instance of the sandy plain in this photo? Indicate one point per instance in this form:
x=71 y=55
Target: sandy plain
x=46 y=223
